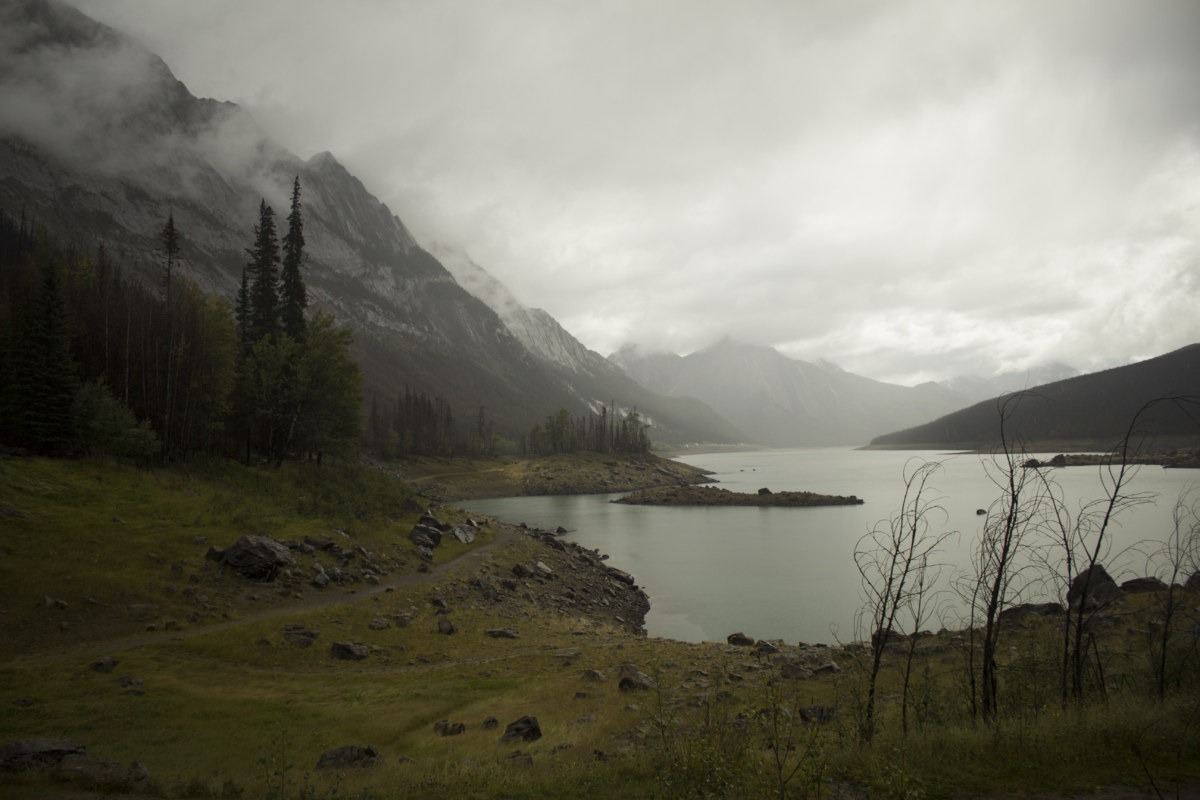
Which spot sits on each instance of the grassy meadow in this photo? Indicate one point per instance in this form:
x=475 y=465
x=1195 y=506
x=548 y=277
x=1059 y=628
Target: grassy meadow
x=103 y=559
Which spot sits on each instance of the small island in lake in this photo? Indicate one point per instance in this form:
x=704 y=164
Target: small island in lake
x=714 y=496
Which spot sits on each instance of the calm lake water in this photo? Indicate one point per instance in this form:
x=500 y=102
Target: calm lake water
x=789 y=572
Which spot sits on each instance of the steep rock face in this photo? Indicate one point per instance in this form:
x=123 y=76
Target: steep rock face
x=781 y=401
x=99 y=141
x=593 y=378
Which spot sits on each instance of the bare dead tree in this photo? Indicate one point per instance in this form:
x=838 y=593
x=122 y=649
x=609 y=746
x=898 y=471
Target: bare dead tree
x=892 y=560
x=1179 y=555
x=1002 y=556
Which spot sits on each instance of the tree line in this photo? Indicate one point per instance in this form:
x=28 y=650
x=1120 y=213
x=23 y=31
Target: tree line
x=93 y=361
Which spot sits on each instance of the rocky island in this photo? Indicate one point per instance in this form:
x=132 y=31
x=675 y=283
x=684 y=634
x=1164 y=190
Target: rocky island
x=715 y=496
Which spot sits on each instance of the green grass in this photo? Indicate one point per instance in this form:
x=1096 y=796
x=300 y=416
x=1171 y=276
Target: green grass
x=229 y=707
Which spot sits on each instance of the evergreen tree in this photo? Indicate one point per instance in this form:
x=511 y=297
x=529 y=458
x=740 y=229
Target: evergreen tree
x=264 y=277
x=170 y=254
x=241 y=312
x=293 y=295
x=48 y=375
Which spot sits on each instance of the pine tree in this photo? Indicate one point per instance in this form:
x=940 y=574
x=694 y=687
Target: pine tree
x=293 y=295
x=241 y=312
x=264 y=277
x=48 y=377
x=170 y=254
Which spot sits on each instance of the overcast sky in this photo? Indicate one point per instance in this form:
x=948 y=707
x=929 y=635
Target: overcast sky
x=908 y=189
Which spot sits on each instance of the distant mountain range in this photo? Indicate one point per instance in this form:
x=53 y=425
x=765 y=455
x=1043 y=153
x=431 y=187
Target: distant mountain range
x=975 y=388
x=99 y=142
x=1094 y=409
x=786 y=402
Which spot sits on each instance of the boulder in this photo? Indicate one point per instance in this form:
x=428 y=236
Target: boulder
x=463 y=533
x=447 y=728
x=430 y=521
x=349 y=651
x=259 y=558
x=502 y=633
x=425 y=536
x=1101 y=588
x=1150 y=584
x=298 y=635
x=1020 y=612
x=632 y=679
x=526 y=729
x=446 y=627
x=490 y=723
x=350 y=755
x=104 y=664
x=32 y=755
x=739 y=639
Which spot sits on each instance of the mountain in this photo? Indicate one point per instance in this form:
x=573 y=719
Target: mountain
x=1094 y=409
x=99 y=142
x=587 y=372
x=782 y=401
x=976 y=388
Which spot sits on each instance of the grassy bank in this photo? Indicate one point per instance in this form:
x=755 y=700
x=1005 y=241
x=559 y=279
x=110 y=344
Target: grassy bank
x=210 y=696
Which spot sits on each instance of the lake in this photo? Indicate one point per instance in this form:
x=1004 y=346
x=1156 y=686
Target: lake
x=789 y=573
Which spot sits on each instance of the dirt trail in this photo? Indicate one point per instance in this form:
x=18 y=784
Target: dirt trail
x=467 y=562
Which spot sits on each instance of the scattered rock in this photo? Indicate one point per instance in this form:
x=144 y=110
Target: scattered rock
x=1101 y=588
x=463 y=533
x=32 y=755
x=258 y=558
x=425 y=536
x=1150 y=584
x=593 y=675
x=104 y=664
x=446 y=627
x=350 y=755
x=633 y=679
x=349 y=651
x=1023 y=611
x=447 y=728
x=491 y=723
x=525 y=729
x=379 y=624
x=739 y=639
x=502 y=633
x=298 y=635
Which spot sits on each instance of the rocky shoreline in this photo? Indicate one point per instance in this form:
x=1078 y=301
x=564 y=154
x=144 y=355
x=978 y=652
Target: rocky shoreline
x=716 y=496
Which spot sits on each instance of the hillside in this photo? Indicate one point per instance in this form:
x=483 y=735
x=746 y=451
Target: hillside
x=99 y=142
x=509 y=665
x=780 y=401
x=1091 y=410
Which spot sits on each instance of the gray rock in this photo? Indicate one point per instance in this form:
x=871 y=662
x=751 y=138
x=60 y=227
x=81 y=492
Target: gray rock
x=525 y=729
x=298 y=635
x=446 y=627
x=1025 y=610
x=32 y=755
x=739 y=639
x=104 y=664
x=379 y=624
x=1150 y=584
x=447 y=728
x=425 y=536
x=1101 y=588
x=258 y=558
x=350 y=755
x=491 y=723
x=502 y=633
x=349 y=651
x=632 y=679
x=463 y=533
x=593 y=675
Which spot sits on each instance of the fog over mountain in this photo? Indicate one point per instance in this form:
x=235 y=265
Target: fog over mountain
x=99 y=142
x=909 y=190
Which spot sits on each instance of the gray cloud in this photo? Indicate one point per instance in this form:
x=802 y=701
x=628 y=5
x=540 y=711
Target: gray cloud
x=907 y=189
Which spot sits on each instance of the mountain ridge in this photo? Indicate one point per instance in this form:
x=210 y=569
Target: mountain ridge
x=134 y=144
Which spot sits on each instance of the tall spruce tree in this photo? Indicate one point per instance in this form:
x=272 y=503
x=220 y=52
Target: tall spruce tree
x=48 y=377
x=264 y=277
x=169 y=240
x=293 y=296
